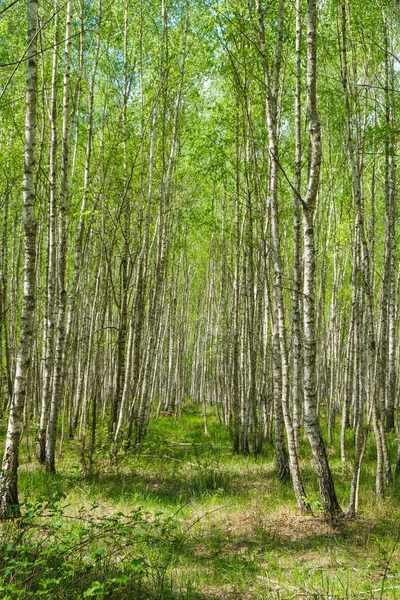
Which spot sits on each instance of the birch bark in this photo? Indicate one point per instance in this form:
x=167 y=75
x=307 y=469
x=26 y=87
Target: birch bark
x=8 y=478
x=50 y=310
x=271 y=87
x=57 y=390
x=311 y=418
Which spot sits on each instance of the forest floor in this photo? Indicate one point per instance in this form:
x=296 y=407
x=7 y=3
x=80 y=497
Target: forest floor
x=184 y=519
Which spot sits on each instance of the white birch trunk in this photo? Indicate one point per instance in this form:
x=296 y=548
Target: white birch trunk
x=9 y=474
x=279 y=308
x=50 y=310
x=311 y=418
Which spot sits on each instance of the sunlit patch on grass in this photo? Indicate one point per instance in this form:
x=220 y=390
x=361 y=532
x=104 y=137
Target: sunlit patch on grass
x=181 y=518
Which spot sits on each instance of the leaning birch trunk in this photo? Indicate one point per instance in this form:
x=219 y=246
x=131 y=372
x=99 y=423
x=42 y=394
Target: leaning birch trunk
x=8 y=479
x=311 y=419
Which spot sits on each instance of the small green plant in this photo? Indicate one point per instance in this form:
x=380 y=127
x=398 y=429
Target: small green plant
x=181 y=518
x=87 y=555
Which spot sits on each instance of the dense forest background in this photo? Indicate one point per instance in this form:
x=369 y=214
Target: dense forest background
x=208 y=194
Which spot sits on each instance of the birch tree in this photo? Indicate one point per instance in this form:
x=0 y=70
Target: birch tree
x=9 y=475
x=311 y=418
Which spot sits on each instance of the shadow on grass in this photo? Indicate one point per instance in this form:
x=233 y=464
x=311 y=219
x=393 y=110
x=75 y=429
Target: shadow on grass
x=231 y=561
x=171 y=484
x=254 y=530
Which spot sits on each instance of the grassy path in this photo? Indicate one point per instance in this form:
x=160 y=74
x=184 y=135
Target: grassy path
x=183 y=520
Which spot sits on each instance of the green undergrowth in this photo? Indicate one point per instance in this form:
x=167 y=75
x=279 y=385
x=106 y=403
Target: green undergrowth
x=181 y=518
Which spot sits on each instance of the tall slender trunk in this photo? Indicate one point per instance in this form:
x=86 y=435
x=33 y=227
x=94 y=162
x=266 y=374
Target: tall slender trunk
x=157 y=299
x=9 y=506
x=50 y=308
x=59 y=366
x=374 y=373
x=297 y=393
x=125 y=262
x=390 y=240
x=311 y=418
x=78 y=251
x=279 y=308
x=6 y=312
x=236 y=308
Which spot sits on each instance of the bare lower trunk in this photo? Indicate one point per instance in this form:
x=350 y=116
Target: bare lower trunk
x=8 y=479
x=297 y=393
x=271 y=106
x=57 y=388
x=50 y=310
x=375 y=384
x=311 y=418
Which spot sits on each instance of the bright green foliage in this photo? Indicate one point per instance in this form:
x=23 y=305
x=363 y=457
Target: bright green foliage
x=184 y=520
x=176 y=228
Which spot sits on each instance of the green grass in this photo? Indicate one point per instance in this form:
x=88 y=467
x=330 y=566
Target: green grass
x=184 y=519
